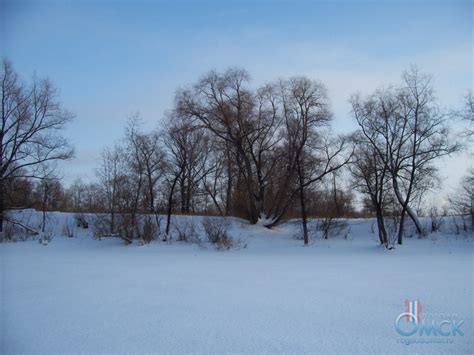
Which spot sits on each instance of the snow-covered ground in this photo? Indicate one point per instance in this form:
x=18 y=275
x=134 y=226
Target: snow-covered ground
x=269 y=295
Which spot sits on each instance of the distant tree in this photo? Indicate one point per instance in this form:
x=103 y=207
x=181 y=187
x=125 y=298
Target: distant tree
x=135 y=174
x=50 y=196
x=469 y=106
x=76 y=195
x=19 y=193
x=462 y=201
x=147 y=162
x=112 y=184
x=30 y=130
x=84 y=197
x=468 y=112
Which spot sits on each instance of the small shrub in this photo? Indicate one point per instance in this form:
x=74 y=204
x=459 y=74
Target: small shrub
x=81 y=220
x=68 y=230
x=436 y=219
x=46 y=237
x=9 y=230
x=299 y=231
x=216 y=232
x=436 y=223
x=186 y=231
x=372 y=228
x=159 y=222
x=459 y=224
x=332 y=227
x=14 y=231
x=149 y=230
x=101 y=225
x=128 y=226
x=299 y=235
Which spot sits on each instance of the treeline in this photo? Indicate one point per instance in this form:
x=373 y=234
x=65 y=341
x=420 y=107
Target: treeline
x=263 y=154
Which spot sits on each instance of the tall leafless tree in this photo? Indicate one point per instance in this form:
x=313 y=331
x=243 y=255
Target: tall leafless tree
x=30 y=133
x=112 y=181
x=407 y=130
x=146 y=164
x=305 y=108
x=247 y=122
x=187 y=153
x=371 y=177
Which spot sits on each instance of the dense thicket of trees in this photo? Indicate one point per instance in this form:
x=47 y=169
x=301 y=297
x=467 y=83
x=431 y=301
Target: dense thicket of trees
x=277 y=136
x=227 y=148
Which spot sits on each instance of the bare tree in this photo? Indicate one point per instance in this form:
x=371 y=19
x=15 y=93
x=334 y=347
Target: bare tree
x=216 y=182
x=112 y=182
x=76 y=194
x=135 y=177
x=31 y=122
x=247 y=122
x=305 y=110
x=46 y=189
x=370 y=176
x=326 y=157
x=84 y=197
x=462 y=201
x=468 y=112
x=152 y=160
x=146 y=168
x=268 y=132
x=407 y=130
x=469 y=106
x=187 y=153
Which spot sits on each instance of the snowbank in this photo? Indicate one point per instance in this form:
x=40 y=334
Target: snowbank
x=270 y=295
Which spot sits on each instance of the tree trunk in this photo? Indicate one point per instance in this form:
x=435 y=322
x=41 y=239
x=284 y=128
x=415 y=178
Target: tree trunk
x=304 y=217
x=472 y=218
x=135 y=207
x=228 y=196
x=112 y=222
x=113 y=199
x=182 y=188
x=253 y=213
x=2 y=202
x=401 y=226
x=406 y=208
x=382 y=230
x=278 y=215
x=151 y=193
x=379 y=230
x=44 y=205
x=189 y=194
x=419 y=227
x=219 y=209
x=170 y=205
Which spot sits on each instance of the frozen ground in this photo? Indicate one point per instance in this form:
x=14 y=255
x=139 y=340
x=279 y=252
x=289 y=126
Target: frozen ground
x=78 y=295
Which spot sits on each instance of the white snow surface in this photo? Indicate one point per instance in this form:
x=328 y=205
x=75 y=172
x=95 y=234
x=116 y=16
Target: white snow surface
x=270 y=294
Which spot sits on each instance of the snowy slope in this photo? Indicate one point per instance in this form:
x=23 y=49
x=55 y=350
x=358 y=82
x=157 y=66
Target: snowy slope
x=270 y=295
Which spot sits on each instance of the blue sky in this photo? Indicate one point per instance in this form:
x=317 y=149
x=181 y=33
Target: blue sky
x=112 y=58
